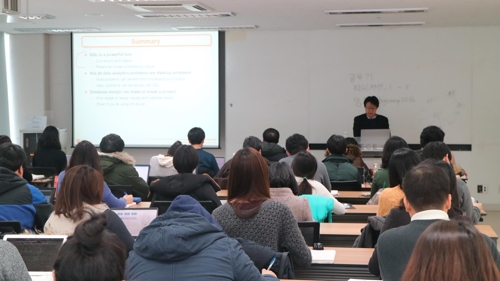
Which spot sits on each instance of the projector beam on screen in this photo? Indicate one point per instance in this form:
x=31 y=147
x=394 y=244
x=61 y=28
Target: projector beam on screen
x=149 y=88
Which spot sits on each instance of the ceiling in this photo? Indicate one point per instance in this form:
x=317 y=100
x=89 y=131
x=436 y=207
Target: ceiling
x=266 y=14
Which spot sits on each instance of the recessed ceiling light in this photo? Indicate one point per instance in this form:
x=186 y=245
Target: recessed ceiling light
x=379 y=24
x=376 y=11
x=186 y=15
x=56 y=30
x=94 y=15
x=215 y=27
x=37 y=17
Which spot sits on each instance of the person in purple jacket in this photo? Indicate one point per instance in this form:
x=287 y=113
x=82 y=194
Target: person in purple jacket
x=85 y=153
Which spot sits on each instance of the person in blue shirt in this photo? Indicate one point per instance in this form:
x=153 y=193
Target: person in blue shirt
x=20 y=201
x=206 y=163
x=85 y=153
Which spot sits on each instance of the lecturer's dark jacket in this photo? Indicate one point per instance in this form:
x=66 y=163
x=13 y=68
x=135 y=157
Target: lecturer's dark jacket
x=362 y=122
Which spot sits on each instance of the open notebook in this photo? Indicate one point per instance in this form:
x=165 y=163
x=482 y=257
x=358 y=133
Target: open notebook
x=39 y=252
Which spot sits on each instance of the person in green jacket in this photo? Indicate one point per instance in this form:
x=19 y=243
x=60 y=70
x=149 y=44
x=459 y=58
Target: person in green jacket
x=118 y=166
x=339 y=167
x=381 y=178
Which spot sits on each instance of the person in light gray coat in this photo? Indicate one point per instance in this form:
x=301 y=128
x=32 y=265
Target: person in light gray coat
x=12 y=267
x=297 y=143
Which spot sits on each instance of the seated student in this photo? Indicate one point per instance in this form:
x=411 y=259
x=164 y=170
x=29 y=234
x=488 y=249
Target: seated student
x=48 y=153
x=91 y=253
x=284 y=189
x=355 y=154
x=339 y=167
x=80 y=194
x=12 y=267
x=26 y=172
x=118 y=166
x=440 y=151
x=427 y=199
x=86 y=154
x=202 y=251
x=399 y=216
x=163 y=165
x=200 y=187
x=381 y=178
x=223 y=174
x=304 y=167
x=271 y=150
x=402 y=160
x=250 y=214
x=297 y=143
x=20 y=201
x=207 y=163
x=430 y=134
x=467 y=256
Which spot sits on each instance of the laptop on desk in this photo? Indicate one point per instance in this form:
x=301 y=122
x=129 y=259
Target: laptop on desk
x=135 y=219
x=143 y=171
x=220 y=161
x=39 y=252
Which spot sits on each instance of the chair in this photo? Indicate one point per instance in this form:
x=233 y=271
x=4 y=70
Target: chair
x=120 y=190
x=310 y=231
x=164 y=205
x=346 y=185
x=49 y=193
x=9 y=227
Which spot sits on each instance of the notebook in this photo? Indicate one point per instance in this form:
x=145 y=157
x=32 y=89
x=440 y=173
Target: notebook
x=135 y=219
x=323 y=256
x=143 y=171
x=39 y=252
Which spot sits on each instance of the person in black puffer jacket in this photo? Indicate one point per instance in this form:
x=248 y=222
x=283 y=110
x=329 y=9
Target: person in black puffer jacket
x=200 y=187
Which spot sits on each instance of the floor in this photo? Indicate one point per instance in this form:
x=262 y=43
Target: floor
x=493 y=219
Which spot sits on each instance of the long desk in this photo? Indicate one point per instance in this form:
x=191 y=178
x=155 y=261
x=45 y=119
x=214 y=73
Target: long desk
x=348 y=263
x=353 y=197
x=344 y=234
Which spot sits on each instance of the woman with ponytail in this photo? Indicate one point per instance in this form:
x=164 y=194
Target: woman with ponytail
x=92 y=253
x=304 y=167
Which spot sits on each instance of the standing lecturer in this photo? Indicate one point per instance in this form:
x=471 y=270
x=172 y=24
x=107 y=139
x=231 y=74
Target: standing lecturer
x=370 y=120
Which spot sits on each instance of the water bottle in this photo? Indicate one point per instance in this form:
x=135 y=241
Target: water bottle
x=375 y=168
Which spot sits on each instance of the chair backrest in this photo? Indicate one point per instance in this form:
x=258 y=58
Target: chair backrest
x=120 y=190
x=346 y=185
x=310 y=231
x=164 y=205
x=49 y=193
x=10 y=227
x=45 y=171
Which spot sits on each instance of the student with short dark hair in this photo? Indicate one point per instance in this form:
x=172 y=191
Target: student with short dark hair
x=118 y=166
x=200 y=187
x=304 y=167
x=19 y=200
x=297 y=143
x=381 y=178
x=440 y=151
x=369 y=120
x=91 y=253
x=207 y=163
x=163 y=165
x=339 y=167
x=431 y=134
x=80 y=195
x=467 y=256
x=250 y=214
x=26 y=172
x=85 y=153
x=271 y=150
x=402 y=160
x=427 y=199
x=48 y=153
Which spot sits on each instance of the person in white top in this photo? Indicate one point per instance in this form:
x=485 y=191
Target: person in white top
x=163 y=165
x=304 y=167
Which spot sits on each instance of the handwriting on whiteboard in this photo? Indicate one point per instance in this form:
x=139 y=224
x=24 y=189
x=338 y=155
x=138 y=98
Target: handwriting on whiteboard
x=385 y=101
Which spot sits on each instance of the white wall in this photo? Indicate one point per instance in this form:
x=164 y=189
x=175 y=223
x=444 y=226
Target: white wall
x=268 y=84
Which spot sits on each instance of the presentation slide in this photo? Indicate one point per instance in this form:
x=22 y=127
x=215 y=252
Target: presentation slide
x=149 y=88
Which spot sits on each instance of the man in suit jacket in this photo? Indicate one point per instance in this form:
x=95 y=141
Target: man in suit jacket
x=427 y=199
x=369 y=120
